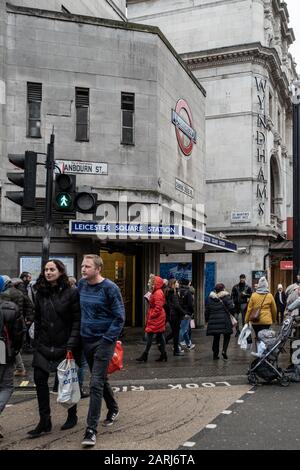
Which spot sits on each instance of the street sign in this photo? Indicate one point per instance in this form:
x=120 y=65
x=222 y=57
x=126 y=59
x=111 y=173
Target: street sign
x=83 y=168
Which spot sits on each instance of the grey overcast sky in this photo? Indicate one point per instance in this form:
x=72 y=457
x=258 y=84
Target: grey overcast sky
x=294 y=13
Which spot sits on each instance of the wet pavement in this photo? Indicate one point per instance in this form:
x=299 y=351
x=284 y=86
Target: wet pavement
x=196 y=364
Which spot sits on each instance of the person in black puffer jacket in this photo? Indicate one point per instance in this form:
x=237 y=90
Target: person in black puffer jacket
x=56 y=331
x=12 y=329
x=217 y=313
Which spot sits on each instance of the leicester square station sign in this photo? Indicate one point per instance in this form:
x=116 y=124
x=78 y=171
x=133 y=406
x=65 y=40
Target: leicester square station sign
x=183 y=122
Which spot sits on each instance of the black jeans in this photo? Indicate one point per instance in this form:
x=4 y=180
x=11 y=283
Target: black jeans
x=175 y=325
x=216 y=343
x=42 y=390
x=160 y=339
x=258 y=328
x=98 y=356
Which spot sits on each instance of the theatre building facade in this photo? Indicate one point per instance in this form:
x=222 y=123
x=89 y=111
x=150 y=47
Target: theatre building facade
x=239 y=51
x=128 y=120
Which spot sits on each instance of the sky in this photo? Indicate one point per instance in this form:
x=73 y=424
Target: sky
x=294 y=13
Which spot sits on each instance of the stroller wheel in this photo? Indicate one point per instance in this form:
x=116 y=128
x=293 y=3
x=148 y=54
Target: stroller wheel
x=284 y=381
x=252 y=379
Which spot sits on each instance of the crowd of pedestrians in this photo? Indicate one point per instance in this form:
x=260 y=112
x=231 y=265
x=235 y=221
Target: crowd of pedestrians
x=84 y=320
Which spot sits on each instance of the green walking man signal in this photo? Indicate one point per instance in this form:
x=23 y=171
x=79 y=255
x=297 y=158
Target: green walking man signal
x=64 y=201
x=67 y=199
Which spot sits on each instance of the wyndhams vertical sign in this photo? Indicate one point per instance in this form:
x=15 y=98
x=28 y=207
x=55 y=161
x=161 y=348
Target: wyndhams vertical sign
x=183 y=122
x=261 y=130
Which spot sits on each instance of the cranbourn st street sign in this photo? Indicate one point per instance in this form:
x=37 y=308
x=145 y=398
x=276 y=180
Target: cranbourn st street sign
x=85 y=168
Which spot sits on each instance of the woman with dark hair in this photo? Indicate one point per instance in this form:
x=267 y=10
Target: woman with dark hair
x=176 y=313
x=56 y=331
x=217 y=313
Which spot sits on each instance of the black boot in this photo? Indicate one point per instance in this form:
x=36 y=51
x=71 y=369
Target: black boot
x=71 y=419
x=143 y=357
x=162 y=357
x=44 y=425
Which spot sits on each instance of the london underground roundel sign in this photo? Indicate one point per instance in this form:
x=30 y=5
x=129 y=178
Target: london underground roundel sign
x=183 y=122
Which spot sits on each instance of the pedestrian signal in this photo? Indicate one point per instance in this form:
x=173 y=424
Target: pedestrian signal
x=65 y=192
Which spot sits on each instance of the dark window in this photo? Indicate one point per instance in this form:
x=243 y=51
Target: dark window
x=34 y=101
x=127 y=107
x=82 y=102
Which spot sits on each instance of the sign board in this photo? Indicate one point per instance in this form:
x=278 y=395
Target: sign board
x=83 y=168
x=184 y=188
x=240 y=217
x=183 y=122
x=112 y=229
x=208 y=239
x=32 y=264
x=286 y=265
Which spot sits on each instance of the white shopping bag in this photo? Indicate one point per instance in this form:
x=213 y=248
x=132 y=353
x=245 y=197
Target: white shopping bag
x=68 y=386
x=242 y=341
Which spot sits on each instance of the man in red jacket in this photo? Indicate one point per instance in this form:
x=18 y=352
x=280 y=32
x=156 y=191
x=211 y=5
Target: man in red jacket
x=156 y=319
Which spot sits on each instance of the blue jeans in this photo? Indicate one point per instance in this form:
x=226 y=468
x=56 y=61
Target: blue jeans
x=185 y=331
x=98 y=355
x=6 y=384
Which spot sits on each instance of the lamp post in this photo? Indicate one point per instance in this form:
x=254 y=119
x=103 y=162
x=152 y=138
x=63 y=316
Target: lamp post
x=295 y=88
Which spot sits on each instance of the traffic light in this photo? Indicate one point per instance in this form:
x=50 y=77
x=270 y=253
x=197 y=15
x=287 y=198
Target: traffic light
x=65 y=191
x=86 y=202
x=26 y=180
x=67 y=199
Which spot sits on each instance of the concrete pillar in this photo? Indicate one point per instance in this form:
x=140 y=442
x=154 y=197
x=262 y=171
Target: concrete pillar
x=198 y=260
x=150 y=265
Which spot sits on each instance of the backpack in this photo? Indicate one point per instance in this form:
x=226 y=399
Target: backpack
x=182 y=299
x=8 y=310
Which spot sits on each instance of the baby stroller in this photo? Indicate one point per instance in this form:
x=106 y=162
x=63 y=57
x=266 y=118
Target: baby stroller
x=266 y=366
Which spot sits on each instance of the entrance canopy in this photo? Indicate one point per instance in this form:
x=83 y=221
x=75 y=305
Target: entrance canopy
x=172 y=238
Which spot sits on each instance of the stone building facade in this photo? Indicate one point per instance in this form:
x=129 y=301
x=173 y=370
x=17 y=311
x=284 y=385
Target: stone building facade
x=55 y=59
x=239 y=51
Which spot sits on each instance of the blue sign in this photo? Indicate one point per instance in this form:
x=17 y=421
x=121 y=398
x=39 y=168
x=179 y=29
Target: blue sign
x=207 y=239
x=81 y=227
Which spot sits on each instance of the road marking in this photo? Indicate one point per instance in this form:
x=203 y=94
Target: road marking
x=226 y=412
x=24 y=383
x=251 y=392
x=189 y=444
x=239 y=401
x=211 y=426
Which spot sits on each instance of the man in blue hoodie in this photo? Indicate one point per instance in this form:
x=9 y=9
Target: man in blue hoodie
x=102 y=320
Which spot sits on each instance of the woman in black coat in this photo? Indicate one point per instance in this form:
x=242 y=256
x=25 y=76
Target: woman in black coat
x=57 y=331
x=217 y=314
x=176 y=313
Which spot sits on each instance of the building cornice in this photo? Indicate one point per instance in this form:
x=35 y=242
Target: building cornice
x=243 y=53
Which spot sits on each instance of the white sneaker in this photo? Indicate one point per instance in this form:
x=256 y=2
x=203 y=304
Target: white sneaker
x=183 y=344
x=190 y=347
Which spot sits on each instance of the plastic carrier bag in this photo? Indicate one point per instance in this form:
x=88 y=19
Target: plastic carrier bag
x=245 y=333
x=68 y=386
x=116 y=362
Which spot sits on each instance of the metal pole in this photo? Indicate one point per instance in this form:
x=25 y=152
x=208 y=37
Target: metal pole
x=296 y=190
x=50 y=163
